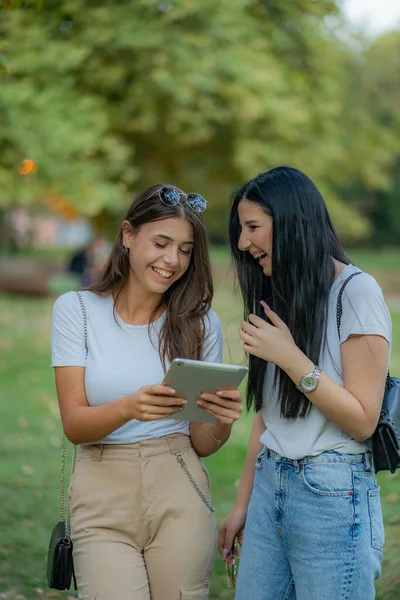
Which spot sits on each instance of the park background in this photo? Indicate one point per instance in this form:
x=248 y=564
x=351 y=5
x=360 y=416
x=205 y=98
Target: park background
x=98 y=101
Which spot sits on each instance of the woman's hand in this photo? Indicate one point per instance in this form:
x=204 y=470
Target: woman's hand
x=273 y=343
x=225 y=405
x=153 y=402
x=231 y=528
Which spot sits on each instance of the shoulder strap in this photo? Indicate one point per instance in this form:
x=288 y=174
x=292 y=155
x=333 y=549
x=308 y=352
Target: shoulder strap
x=64 y=509
x=339 y=308
x=339 y=311
x=85 y=326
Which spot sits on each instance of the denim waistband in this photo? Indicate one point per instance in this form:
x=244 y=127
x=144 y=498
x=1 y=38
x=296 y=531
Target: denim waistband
x=325 y=457
x=173 y=443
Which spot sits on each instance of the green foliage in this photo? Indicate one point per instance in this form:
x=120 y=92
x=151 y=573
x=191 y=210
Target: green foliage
x=375 y=141
x=109 y=98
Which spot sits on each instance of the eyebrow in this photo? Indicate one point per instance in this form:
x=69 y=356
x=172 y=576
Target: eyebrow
x=250 y=222
x=168 y=239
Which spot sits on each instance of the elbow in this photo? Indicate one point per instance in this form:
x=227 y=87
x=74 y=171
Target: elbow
x=365 y=432
x=71 y=434
x=72 y=437
x=200 y=452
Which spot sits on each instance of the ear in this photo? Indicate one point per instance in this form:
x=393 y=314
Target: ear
x=128 y=234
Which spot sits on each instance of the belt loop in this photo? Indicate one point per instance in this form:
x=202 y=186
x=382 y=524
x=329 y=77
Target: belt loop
x=170 y=445
x=97 y=452
x=367 y=460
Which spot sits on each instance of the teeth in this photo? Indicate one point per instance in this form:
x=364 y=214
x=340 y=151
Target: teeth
x=166 y=274
x=259 y=255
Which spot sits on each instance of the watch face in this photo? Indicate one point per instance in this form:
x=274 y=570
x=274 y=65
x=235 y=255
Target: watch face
x=309 y=383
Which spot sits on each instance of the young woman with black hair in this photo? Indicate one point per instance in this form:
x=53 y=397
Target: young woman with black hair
x=307 y=502
x=142 y=522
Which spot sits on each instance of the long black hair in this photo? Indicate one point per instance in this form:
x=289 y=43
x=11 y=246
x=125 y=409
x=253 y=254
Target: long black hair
x=304 y=242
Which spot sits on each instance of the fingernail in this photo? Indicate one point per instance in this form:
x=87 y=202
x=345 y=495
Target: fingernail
x=264 y=305
x=184 y=402
x=171 y=390
x=225 y=553
x=204 y=396
x=200 y=403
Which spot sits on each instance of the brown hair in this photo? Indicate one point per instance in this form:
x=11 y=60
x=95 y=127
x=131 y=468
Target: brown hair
x=188 y=300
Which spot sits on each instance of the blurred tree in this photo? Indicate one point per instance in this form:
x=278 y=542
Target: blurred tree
x=373 y=118
x=110 y=98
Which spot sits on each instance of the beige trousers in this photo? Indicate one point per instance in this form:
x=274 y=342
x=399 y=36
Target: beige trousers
x=139 y=528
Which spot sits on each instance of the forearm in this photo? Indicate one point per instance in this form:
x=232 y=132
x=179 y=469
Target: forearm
x=207 y=438
x=338 y=404
x=85 y=424
x=245 y=486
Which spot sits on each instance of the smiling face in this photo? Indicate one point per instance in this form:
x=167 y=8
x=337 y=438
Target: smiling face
x=159 y=253
x=256 y=234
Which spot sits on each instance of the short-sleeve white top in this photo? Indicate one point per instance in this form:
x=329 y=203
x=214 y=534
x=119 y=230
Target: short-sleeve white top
x=121 y=358
x=364 y=312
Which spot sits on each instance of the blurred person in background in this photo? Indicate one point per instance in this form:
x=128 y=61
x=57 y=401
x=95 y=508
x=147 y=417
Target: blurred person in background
x=142 y=521
x=88 y=263
x=308 y=511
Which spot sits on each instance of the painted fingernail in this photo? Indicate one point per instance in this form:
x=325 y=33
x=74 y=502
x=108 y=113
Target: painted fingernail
x=264 y=305
x=225 y=553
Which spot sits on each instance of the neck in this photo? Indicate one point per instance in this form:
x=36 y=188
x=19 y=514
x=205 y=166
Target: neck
x=339 y=266
x=136 y=306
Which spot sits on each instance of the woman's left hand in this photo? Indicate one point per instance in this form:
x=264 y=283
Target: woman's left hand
x=225 y=405
x=273 y=343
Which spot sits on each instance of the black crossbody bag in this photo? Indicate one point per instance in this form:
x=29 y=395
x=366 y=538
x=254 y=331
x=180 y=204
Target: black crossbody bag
x=60 y=563
x=385 y=441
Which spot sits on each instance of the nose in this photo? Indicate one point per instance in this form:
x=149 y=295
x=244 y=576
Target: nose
x=171 y=257
x=244 y=242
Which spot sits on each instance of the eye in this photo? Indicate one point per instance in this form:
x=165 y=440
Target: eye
x=186 y=252
x=253 y=227
x=159 y=245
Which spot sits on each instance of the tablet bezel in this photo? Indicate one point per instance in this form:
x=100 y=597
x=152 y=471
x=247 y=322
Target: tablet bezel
x=192 y=377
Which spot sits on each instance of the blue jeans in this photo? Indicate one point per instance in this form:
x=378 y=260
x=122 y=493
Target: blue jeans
x=314 y=529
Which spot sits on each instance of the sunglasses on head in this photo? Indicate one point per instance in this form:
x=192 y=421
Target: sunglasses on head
x=171 y=197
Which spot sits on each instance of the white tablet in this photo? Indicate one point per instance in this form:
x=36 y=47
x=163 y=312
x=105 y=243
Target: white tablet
x=190 y=378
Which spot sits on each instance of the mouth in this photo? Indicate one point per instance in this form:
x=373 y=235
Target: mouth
x=260 y=256
x=163 y=274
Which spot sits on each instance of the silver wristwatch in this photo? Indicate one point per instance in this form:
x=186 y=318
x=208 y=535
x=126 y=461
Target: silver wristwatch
x=309 y=381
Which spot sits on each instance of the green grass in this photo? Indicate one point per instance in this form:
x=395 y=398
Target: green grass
x=30 y=445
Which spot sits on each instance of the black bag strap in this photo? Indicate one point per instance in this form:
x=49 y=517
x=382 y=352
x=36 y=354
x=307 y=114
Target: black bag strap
x=339 y=308
x=339 y=311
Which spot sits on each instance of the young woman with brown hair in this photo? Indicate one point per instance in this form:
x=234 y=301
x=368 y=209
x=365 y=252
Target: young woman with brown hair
x=141 y=517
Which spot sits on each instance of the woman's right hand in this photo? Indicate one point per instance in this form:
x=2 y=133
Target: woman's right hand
x=231 y=528
x=153 y=402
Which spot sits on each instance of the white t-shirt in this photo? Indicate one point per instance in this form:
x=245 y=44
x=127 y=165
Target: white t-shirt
x=364 y=312
x=121 y=359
